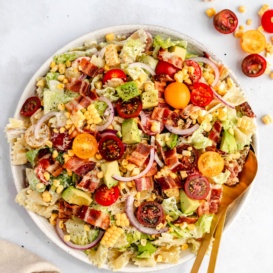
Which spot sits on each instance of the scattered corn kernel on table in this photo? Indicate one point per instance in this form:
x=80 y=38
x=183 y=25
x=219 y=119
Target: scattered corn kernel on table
x=31 y=31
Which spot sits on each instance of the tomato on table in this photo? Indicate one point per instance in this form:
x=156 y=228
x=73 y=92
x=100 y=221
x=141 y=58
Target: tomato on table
x=254 y=65
x=210 y=163
x=197 y=187
x=177 y=95
x=111 y=147
x=253 y=41
x=197 y=73
x=225 y=21
x=150 y=214
x=105 y=196
x=267 y=21
x=84 y=146
x=165 y=68
x=30 y=106
x=115 y=73
x=130 y=108
x=201 y=94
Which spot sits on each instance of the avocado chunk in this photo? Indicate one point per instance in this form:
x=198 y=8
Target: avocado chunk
x=179 y=51
x=130 y=132
x=188 y=205
x=109 y=169
x=172 y=141
x=149 y=99
x=75 y=196
x=228 y=143
x=128 y=91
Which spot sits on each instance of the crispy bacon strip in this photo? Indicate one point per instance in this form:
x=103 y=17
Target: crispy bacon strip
x=144 y=183
x=79 y=166
x=246 y=110
x=66 y=210
x=170 y=57
x=171 y=159
x=79 y=86
x=215 y=132
x=167 y=182
x=90 y=181
x=165 y=115
x=88 y=68
x=140 y=154
x=186 y=219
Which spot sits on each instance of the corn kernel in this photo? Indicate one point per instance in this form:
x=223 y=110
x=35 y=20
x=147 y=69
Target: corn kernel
x=67 y=238
x=56 y=182
x=110 y=37
x=39 y=186
x=61 y=107
x=70 y=153
x=98 y=84
x=260 y=28
x=210 y=12
x=55 y=154
x=61 y=78
x=54 y=68
x=241 y=27
x=135 y=171
x=65 y=81
x=183 y=174
x=49 y=144
x=267 y=119
x=68 y=63
x=159 y=259
x=60 y=189
x=87 y=227
x=184 y=246
x=46 y=176
x=242 y=9
x=238 y=34
x=46 y=196
x=248 y=22
x=191 y=227
x=263 y=9
x=100 y=175
x=61 y=68
x=40 y=83
x=130 y=166
x=271 y=75
x=53 y=218
x=186 y=153
x=143 y=242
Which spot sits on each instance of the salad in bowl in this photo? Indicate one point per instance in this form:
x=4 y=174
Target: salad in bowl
x=125 y=145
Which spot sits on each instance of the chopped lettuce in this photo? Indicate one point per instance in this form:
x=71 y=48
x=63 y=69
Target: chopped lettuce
x=231 y=119
x=242 y=138
x=170 y=207
x=159 y=41
x=145 y=251
x=51 y=76
x=221 y=178
x=133 y=236
x=66 y=180
x=131 y=50
x=204 y=223
x=33 y=180
x=31 y=156
x=149 y=60
x=234 y=96
x=109 y=92
x=68 y=56
x=136 y=73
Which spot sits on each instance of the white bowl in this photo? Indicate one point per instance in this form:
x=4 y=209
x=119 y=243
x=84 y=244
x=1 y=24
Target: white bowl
x=98 y=35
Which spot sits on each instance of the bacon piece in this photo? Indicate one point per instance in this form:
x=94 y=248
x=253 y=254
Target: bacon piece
x=85 y=102
x=147 y=127
x=66 y=210
x=203 y=208
x=162 y=103
x=246 y=110
x=165 y=115
x=185 y=219
x=153 y=169
x=144 y=183
x=189 y=163
x=170 y=57
x=90 y=181
x=188 y=110
x=163 y=78
x=79 y=86
x=55 y=169
x=140 y=154
x=215 y=132
x=171 y=159
x=167 y=182
x=160 y=87
x=74 y=104
x=79 y=166
x=94 y=217
x=88 y=68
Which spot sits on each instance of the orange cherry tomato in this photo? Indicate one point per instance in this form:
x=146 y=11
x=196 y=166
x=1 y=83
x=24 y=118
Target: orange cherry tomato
x=84 y=146
x=210 y=164
x=253 y=41
x=177 y=95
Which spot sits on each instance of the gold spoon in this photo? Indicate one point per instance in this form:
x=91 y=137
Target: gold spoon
x=230 y=194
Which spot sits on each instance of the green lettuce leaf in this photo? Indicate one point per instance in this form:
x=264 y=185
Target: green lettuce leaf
x=51 y=76
x=68 y=56
x=33 y=180
x=221 y=178
x=109 y=92
x=131 y=50
x=31 y=156
x=170 y=207
x=159 y=41
x=204 y=223
x=146 y=251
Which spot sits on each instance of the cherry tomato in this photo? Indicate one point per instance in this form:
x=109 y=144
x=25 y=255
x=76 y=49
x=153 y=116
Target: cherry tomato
x=225 y=21
x=201 y=94
x=30 y=106
x=165 y=68
x=267 y=21
x=84 y=146
x=210 y=163
x=130 y=108
x=196 y=75
x=197 y=187
x=177 y=95
x=114 y=73
x=105 y=196
x=111 y=147
x=254 y=65
x=40 y=169
x=253 y=41
x=61 y=141
x=150 y=214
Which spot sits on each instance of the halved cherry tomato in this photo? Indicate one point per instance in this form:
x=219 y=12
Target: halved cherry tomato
x=225 y=21
x=177 y=95
x=30 y=106
x=210 y=163
x=197 y=187
x=253 y=41
x=130 y=108
x=254 y=65
x=105 y=196
x=196 y=75
x=61 y=141
x=201 y=94
x=150 y=214
x=85 y=146
x=267 y=21
x=111 y=147
x=165 y=68
x=114 y=73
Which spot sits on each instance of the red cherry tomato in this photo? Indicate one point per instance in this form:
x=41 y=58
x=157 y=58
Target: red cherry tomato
x=114 y=73
x=30 y=106
x=197 y=187
x=150 y=214
x=267 y=21
x=196 y=75
x=165 y=68
x=130 y=108
x=105 y=196
x=61 y=141
x=40 y=169
x=111 y=147
x=201 y=94
x=254 y=65
x=225 y=21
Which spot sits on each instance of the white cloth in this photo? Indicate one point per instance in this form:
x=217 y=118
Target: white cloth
x=16 y=259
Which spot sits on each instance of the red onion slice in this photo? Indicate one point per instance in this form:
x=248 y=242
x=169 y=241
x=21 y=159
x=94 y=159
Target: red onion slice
x=143 y=118
x=146 y=170
x=158 y=161
x=213 y=66
x=144 y=66
x=72 y=245
x=178 y=131
x=216 y=95
x=111 y=117
x=134 y=221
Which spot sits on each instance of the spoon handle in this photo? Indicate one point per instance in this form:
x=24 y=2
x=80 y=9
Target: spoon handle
x=216 y=242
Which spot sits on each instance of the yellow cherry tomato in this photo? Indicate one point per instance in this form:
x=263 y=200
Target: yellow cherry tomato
x=84 y=146
x=210 y=164
x=177 y=95
x=253 y=41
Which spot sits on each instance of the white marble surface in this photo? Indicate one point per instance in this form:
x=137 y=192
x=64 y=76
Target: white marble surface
x=30 y=31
